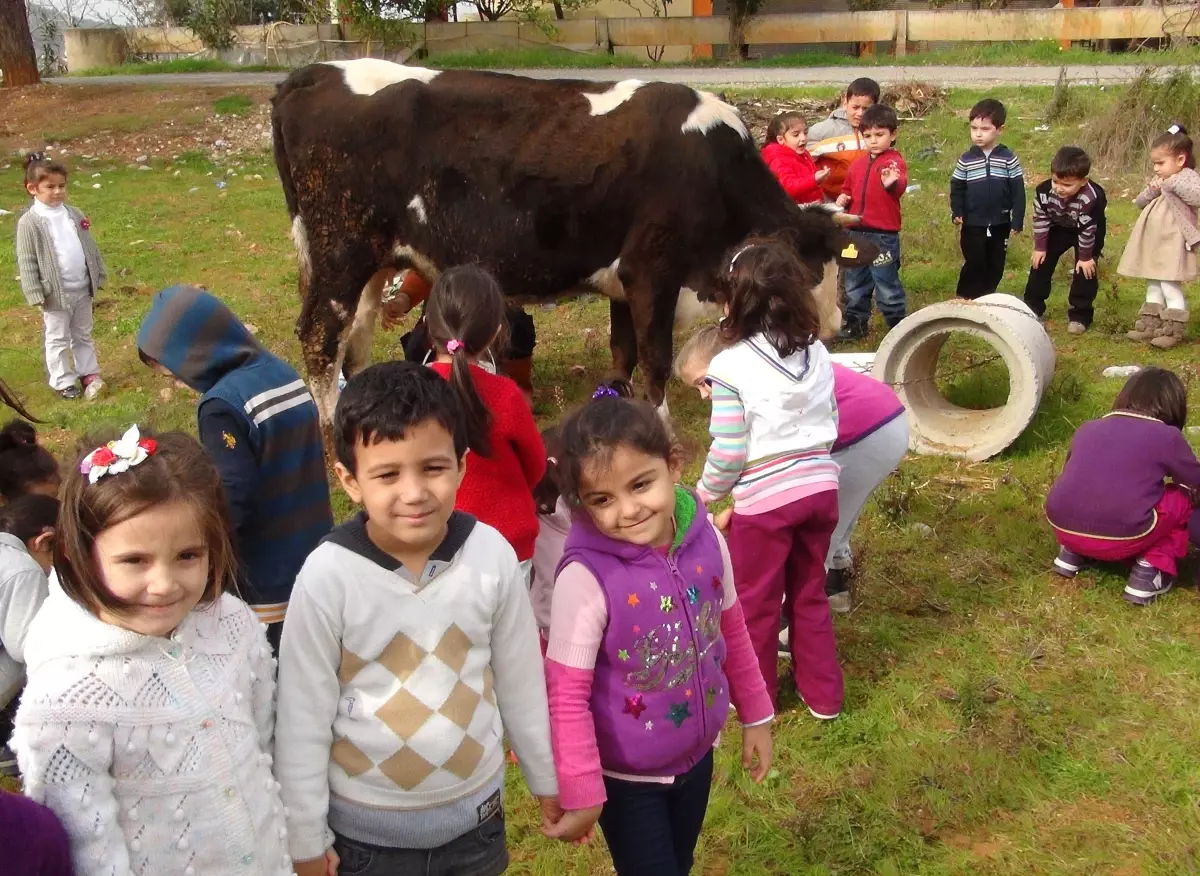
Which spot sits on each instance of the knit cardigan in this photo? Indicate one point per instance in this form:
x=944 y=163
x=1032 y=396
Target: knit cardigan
x=154 y=753
x=41 y=279
x=1182 y=194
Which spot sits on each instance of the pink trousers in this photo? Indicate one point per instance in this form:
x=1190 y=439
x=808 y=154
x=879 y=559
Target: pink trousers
x=779 y=556
x=1162 y=547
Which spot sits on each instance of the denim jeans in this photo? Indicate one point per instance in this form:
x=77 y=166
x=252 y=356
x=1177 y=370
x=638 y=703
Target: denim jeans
x=651 y=829
x=881 y=278
x=479 y=852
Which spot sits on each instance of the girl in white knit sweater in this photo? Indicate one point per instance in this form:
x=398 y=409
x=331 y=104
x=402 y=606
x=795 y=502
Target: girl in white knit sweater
x=147 y=720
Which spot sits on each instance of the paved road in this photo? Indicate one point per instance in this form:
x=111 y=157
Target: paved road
x=714 y=76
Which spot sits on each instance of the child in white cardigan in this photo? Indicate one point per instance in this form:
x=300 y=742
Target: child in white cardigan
x=147 y=720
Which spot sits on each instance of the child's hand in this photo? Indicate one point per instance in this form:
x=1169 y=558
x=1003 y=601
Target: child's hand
x=1088 y=268
x=757 y=741
x=392 y=313
x=721 y=521
x=1155 y=182
x=889 y=176
x=552 y=812
x=822 y=174
x=1035 y=260
x=575 y=826
x=958 y=220
x=326 y=866
x=843 y=201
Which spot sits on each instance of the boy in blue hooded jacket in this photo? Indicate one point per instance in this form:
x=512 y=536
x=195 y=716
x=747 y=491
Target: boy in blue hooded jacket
x=258 y=422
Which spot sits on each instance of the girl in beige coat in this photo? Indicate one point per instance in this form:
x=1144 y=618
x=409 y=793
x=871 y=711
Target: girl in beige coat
x=1161 y=248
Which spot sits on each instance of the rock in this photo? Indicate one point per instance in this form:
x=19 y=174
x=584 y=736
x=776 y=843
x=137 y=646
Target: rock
x=95 y=176
x=1121 y=370
x=177 y=173
x=145 y=167
x=141 y=159
x=193 y=189
x=923 y=529
x=95 y=185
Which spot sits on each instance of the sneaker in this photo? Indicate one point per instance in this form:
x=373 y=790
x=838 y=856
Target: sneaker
x=821 y=717
x=1146 y=584
x=70 y=393
x=785 y=649
x=8 y=762
x=852 y=331
x=1068 y=563
x=1076 y=328
x=92 y=388
x=837 y=591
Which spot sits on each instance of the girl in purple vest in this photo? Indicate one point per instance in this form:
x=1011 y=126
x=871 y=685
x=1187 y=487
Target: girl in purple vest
x=648 y=645
x=774 y=422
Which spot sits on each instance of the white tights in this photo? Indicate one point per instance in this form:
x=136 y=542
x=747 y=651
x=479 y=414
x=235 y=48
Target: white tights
x=1167 y=293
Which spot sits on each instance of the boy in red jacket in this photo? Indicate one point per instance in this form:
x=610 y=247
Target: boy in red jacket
x=786 y=154
x=872 y=191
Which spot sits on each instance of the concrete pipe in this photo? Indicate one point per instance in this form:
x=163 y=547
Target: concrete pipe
x=907 y=359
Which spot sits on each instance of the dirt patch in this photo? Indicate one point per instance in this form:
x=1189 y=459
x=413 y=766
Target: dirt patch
x=910 y=100
x=127 y=122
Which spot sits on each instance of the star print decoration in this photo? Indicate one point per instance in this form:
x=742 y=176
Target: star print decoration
x=633 y=600
x=635 y=706
x=693 y=594
x=717 y=583
x=622 y=654
x=666 y=603
x=678 y=713
x=649 y=725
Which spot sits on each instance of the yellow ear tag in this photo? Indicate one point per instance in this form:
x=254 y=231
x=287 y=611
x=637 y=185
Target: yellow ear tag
x=850 y=252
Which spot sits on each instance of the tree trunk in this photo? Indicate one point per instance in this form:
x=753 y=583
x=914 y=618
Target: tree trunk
x=17 y=58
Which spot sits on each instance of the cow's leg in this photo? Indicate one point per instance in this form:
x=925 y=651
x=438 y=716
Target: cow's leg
x=652 y=297
x=622 y=340
x=362 y=330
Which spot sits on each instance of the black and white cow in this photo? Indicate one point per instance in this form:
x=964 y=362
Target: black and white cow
x=636 y=189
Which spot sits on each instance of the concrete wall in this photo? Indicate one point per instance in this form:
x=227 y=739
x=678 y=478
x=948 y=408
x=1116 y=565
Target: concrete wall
x=292 y=44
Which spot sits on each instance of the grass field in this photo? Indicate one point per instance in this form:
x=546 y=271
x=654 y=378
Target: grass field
x=998 y=720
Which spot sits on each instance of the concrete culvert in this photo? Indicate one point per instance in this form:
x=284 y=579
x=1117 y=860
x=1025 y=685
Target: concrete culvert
x=908 y=360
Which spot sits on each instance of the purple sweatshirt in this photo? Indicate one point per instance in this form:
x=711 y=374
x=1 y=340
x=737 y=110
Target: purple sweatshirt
x=32 y=841
x=1114 y=475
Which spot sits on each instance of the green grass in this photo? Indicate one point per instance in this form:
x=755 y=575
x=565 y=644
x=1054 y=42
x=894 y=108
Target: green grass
x=181 y=65
x=233 y=105
x=998 y=721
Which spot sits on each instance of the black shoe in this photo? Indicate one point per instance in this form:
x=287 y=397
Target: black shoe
x=852 y=331
x=70 y=393
x=838 y=591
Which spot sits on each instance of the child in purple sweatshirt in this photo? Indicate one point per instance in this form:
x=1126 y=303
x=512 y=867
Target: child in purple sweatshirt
x=1112 y=502
x=32 y=841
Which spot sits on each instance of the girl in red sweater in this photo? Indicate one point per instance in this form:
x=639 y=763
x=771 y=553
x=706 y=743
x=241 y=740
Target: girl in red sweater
x=506 y=459
x=786 y=154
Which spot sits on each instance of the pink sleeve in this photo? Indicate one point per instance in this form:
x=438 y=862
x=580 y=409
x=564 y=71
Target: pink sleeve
x=747 y=689
x=578 y=617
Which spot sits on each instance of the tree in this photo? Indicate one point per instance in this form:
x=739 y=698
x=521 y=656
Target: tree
x=740 y=13
x=17 y=57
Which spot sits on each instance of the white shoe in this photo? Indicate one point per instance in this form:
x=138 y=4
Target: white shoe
x=821 y=717
x=785 y=649
x=93 y=389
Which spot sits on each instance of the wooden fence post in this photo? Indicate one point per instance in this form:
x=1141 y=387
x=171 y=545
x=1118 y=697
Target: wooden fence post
x=1066 y=4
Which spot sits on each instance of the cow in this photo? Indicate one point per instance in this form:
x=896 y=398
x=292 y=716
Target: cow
x=634 y=189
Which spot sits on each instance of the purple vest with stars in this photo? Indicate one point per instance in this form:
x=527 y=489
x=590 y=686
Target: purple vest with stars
x=659 y=695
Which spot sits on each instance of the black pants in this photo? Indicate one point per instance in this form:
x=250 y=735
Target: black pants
x=1083 y=290
x=652 y=829
x=984 y=248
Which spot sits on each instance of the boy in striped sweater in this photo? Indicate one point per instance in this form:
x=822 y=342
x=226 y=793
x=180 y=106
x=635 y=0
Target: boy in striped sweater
x=987 y=200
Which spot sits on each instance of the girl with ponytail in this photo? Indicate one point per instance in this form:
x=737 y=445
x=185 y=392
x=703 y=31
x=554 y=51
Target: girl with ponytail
x=466 y=318
x=1162 y=245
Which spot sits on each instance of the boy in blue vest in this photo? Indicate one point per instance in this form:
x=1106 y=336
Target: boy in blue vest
x=259 y=423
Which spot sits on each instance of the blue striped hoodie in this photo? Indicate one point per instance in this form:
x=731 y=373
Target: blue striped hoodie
x=258 y=421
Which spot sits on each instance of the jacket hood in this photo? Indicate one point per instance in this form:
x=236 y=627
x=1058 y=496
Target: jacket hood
x=195 y=336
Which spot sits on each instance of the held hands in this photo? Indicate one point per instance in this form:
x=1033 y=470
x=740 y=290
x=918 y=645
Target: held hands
x=722 y=519
x=889 y=175
x=756 y=741
x=843 y=201
x=392 y=313
x=1088 y=268
x=576 y=826
x=326 y=866
x=1035 y=260
x=822 y=174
